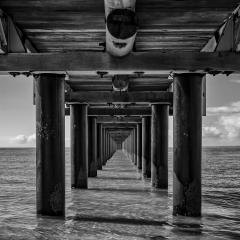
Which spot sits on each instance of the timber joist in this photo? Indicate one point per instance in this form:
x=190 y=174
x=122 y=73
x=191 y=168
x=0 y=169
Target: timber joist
x=73 y=25
x=119 y=97
x=171 y=61
x=12 y=39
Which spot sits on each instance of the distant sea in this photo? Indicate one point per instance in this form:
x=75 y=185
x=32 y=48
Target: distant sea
x=221 y=201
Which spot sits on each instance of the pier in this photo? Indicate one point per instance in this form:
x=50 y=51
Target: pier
x=119 y=80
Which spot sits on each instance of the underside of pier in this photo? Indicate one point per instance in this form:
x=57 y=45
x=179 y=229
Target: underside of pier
x=119 y=103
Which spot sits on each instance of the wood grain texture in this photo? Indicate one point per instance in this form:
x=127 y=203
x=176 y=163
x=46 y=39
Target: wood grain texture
x=79 y=146
x=79 y=17
x=145 y=61
x=119 y=97
x=187 y=144
x=50 y=145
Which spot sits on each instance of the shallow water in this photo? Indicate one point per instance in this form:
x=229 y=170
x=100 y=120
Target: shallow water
x=118 y=204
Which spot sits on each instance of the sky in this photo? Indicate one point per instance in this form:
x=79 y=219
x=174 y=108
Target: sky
x=221 y=126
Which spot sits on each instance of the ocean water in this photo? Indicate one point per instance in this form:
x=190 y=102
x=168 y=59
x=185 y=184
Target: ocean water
x=118 y=204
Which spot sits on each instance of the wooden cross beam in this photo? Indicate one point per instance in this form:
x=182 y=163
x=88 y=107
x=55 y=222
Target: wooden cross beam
x=137 y=61
x=15 y=40
x=140 y=111
x=121 y=125
x=116 y=129
x=110 y=119
x=129 y=111
x=119 y=97
x=113 y=120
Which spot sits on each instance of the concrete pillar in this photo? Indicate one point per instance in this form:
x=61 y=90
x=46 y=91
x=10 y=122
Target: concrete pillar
x=92 y=149
x=146 y=147
x=139 y=146
x=187 y=144
x=79 y=145
x=159 y=146
x=50 y=144
x=100 y=147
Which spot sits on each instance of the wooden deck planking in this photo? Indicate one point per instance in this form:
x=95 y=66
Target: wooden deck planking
x=79 y=24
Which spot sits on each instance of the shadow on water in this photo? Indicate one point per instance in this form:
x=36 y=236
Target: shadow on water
x=162 y=192
x=117 y=220
x=119 y=170
x=187 y=225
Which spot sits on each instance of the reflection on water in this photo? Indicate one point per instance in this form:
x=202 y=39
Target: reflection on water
x=117 y=204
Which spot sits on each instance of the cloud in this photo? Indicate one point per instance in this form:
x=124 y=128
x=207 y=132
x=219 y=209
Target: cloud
x=235 y=80
x=20 y=139
x=23 y=139
x=31 y=138
x=232 y=108
x=226 y=128
x=226 y=125
x=211 y=132
x=231 y=125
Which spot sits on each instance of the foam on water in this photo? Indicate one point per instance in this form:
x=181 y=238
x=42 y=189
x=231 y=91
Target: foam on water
x=118 y=204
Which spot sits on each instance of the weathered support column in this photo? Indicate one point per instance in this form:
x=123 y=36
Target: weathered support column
x=50 y=144
x=159 y=146
x=146 y=147
x=100 y=147
x=108 y=152
x=132 y=144
x=133 y=154
x=187 y=144
x=136 y=147
x=104 y=146
x=92 y=149
x=139 y=146
x=79 y=145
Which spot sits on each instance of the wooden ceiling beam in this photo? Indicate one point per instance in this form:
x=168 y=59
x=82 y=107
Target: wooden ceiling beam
x=138 y=111
x=119 y=97
x=110 y=119
x=139 y=61
x=122 y=125
x=141 y=111
x=16 y=40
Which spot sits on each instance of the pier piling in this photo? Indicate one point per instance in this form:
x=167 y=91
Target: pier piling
x=79 y=146
x=92 y=149
x=139 y=146
x=159 y=146
x=146 y=147
x=50 y=144
x=187 y=144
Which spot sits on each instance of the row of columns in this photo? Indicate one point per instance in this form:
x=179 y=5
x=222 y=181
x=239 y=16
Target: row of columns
x=147 y=146
x=151 y=145
x=50 y=156
x=91 y=145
